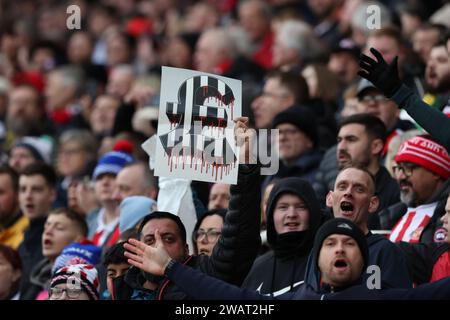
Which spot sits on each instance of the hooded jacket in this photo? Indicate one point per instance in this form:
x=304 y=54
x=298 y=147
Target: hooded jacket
x=431 y=232
x=282 y=269
x=202 y=287
x=236 y=249
x=383 y=254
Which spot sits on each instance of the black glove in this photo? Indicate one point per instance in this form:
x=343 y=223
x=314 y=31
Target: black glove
x=383 y=76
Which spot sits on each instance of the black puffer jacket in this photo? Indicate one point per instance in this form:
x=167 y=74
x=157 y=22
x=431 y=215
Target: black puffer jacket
x=382 y=253
x=30 y=251
x=239 y=243
x=283 y=268
x=390 y=216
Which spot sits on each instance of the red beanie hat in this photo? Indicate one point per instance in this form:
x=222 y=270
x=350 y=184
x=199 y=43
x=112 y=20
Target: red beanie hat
x=427 y=154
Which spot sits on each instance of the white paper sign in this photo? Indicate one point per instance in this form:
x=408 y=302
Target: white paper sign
x=195 y=138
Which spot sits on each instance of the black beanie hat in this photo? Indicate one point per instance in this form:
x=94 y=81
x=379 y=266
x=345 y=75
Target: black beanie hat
x=345 y=227
x=301 y=117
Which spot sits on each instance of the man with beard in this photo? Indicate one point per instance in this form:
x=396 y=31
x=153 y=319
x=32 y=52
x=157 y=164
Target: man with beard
x=371 y=101
x=422 y=171
x=25 y=116
x=361 y=141
x=437 y=77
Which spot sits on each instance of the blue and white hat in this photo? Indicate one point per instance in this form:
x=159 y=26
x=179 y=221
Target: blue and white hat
x=83 y=252
x=114 y=161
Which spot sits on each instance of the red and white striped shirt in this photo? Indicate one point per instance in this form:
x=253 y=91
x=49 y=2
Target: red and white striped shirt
x=409 y=228
x=103 y=230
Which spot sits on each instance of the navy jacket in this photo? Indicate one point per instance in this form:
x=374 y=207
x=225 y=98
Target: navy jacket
x=199 y=286
x=382 y=253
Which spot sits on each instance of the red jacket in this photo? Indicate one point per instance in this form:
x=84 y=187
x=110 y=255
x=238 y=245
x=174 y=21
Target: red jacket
x=441 y=268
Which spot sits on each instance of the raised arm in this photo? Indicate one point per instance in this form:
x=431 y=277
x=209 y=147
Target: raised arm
x=194 y=283
x=436 y=123
x=385 y=77
x=239 y=243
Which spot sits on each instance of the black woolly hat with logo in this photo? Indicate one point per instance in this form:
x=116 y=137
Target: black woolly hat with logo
x=344 y=227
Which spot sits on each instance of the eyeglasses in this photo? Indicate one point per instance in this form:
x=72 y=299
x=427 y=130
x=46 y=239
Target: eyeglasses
x=377 y=98
x=407 y=169
x=56 y=293
x=211 y=234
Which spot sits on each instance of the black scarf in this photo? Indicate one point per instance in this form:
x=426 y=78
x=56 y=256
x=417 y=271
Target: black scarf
x=290 y=244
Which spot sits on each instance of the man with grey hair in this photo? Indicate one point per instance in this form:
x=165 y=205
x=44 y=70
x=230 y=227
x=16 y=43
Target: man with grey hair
x=216 y=52
x=65 y=85
x=135 y=179
x=120 y=80
x=255 y=17
x=295 y=44
x=214 y=48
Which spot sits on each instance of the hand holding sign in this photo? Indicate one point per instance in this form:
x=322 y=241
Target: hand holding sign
x=195 y=127
x=245 y=138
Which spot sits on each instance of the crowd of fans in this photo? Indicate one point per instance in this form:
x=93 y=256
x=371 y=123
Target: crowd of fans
x=364 y=135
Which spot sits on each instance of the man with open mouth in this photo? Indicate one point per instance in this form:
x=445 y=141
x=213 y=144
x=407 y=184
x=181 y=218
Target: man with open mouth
x=362 y=139
x=354 y=198
x=340 y=253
